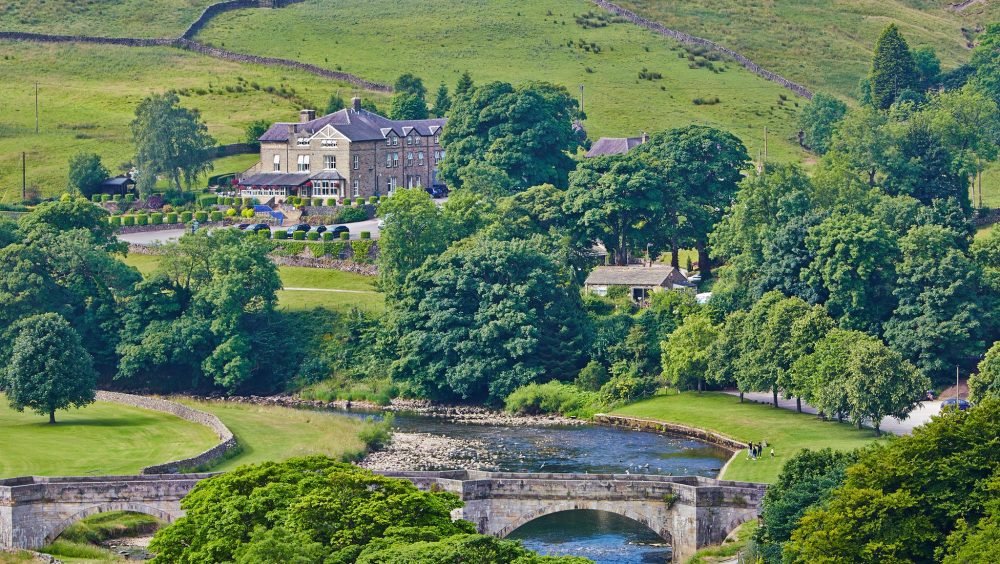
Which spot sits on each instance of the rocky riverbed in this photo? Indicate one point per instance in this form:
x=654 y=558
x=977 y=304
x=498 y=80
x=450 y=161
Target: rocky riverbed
x=424 y=451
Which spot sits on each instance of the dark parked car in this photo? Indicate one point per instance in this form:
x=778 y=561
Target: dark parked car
x=258 y=227
x=954 y=403
x=298 y=227
x=243 y=226
x=319 y=229
x=338 y=229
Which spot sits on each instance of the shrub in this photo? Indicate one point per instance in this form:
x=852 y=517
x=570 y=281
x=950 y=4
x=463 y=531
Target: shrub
x=208 y=199
x=365 y=235
x=281 y=235
x=95 y=198
x=326 y=236
x=627 y=387
x=372 y=199
x=345 y=236
x=299 y=235
x=215 y=215
x=553 y=397
x=129 y=198
x=185 y=217
x=335 y=248
x=170 y=217
x=231 y=212
x=116 y=198
x=347 y=201
x=247 y=213
x=264 y=233
x=155 y=218
x=115 y=221
x=201 y=216
x=361 y=250
x=312 y=236
x=351 y=215
x=592 y=377
x=331 y=202
x=128 y=220
x=317 y=201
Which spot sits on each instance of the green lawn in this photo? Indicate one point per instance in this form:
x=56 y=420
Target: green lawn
x=302 y=277
x=103 y=438
x=824 y=45
x=88 y=95
x=277 y=433
x=517 y=41
x=106 y=18
x=294 y=300
x=787 y=431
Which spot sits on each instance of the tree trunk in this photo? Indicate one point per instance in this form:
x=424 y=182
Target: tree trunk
x=675 y=254
x=699 y=386
x=878 y=432
x=703 y=264
x=774 y=392
x=840 y=417
x=741 y=396
x=52 y=417
x=798 y=404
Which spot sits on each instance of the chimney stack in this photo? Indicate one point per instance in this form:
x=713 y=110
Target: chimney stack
x=306 y=115
x=356 y=103
x=645 y=137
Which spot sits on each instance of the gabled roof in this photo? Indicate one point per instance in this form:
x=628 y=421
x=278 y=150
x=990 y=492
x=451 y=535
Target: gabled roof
x=117 y=181
x=636 y=275
x=613 y=146
x=356 y=125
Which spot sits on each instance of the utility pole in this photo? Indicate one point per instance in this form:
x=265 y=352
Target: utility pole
x=36 y=108
x=24 y=177
x=957 y=394
x=765 y=145
x=581 y=97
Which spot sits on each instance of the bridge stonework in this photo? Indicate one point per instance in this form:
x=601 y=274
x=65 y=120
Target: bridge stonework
x=688 y=512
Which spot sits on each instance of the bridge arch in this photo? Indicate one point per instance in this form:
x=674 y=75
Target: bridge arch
x=133 y=507
x=656 y=519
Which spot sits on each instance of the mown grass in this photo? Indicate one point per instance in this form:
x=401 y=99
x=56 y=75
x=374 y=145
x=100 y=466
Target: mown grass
x=824 y=45
x=106 y=18
x=103 y=438
x=728 y=549
x=79 y=543
x=19 y=557
x=277 y=433
x=786 y=431
x=518 y=41
x=88 y=95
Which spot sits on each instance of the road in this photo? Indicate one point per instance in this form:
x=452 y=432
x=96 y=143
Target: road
x=920 y=415
x=171 y=235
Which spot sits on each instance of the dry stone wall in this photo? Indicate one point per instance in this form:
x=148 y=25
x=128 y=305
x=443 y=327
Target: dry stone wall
x=214 y=454
x=654 y=426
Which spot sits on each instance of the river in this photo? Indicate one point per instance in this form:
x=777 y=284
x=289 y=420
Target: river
x=602 y=537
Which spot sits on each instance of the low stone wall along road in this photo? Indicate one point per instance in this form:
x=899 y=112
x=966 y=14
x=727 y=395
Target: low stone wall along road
x=172 y=235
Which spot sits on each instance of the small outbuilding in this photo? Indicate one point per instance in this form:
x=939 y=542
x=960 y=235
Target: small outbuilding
x=641 y=280
x=118 y=185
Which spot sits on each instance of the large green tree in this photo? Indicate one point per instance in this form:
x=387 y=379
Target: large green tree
x=86 y=173
x=686 y=352
x=486 y=317
x=986 y=382
x=48 y=368
x=170 y=141
x=893 y=69
x=414 y=230
x=407 y=106
x=442 y=101
x=821 y=376
x=881 y=384
x=818 y=120
x=525 y=131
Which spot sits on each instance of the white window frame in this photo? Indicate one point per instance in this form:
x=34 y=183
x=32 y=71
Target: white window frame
x=395 y=160
x=303 y=141
x=277 y=163
x=356 y=189
x=357 y=162
x=329 y=143
x=329 y=162
x=420 y=158
x=303 y=163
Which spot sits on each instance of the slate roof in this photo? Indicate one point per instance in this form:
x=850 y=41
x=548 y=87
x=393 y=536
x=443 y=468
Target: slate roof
x=613 y=146
x=276 y=179
x=636 y=275
x=356 y=125
x=117 y=181
x=327 y=175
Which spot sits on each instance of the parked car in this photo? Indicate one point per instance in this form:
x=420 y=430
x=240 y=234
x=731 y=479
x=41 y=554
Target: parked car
x=337 y=230
x=955 y=403
x=695 y=278
x=243 y=226
x=381 y=224
x=258 y=227
x=319 y=229
x=298 y=227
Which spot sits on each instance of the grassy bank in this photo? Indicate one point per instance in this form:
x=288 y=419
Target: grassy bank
x=80 y=542
x=517 y=41
x=103 y=438
x=787 y=431
x=277 y=433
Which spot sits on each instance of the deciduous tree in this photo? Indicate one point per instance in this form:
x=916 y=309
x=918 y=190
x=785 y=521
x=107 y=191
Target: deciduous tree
x=818 y=120
x=86 y=173
x=414 y=230
x=881 y=384
x=170 y=140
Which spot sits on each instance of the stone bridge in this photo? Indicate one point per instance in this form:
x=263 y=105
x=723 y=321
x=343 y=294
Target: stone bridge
x=687 y=512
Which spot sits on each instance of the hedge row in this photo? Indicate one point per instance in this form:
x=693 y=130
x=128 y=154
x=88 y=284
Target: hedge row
x=155 y=218
x=319 y=249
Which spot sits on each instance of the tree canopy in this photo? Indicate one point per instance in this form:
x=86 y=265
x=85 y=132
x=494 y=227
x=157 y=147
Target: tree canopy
x=893 y=69
x=171 y=141
x=86 y=173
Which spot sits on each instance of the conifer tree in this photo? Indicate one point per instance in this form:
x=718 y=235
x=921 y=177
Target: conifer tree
x=893 y=69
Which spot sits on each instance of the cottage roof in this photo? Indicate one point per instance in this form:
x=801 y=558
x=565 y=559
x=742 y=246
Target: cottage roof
x=276 y=179
x=636 y=275
x=613 y=146
x=117 y=181
x=356 y=125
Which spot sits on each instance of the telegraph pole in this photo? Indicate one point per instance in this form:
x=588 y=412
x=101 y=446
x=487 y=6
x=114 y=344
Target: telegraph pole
x=36 y=108
x=24 y=177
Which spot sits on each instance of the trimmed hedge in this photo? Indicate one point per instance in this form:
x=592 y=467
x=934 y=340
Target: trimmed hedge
x=365 y=235
x=344 y=236
x=170 y=218
x=155 y=218
x=185 y=217
x=312 y=236
x=361 y=250
x=331 y=202
x=201 y=217
x=215 y=216
x=299 y=235
x=264 y=233
x=115 y=221
x=141 y=219
x=280 y=234
x=129 y=198
x=105 y=197
x=372 y=199
x=347 y=201
x=208 y=199
x=95 y=198
x=128 y=220
x=327 y=236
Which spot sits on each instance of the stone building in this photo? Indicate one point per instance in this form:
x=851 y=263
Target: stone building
x=347 y=154
x=639 y=280
x=615 y=145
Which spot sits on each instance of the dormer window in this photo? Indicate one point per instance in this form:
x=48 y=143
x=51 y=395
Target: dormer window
x=329 y=143
x=437 y=139
x=303 y=141
x=388 y=140
x=395 y=140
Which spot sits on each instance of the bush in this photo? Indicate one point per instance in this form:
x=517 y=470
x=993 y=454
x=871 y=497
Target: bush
x=231 y=212
x=592 y=377
x=128 y=220
x=116 y=198
x=115 y=221
x=317 y=201
x=247 y=213
x=345 y=236
x=155 y=218
x=299 y=235
x=347 y=201
x=372 y=199
x=627 y=387
x=208 y=199
x=264 y=233
x=170 y=217
x=141 y=219
x=215 y=216
x=351 y=215
x=95 y=198
x=129 y=198
x=201 y=216
x=105 y=197
x=280 y=234
x=553 y=397
x=331 y=202
x=186 y=217
x=312 y=236
x=365 y=235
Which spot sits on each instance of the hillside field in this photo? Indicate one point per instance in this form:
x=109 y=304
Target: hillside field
x=105 y=18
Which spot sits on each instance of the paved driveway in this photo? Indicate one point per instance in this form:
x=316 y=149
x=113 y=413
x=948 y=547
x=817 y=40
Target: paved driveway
x=171 y=235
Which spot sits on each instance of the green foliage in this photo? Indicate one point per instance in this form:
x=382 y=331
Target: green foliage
x=362 y=250
x=254 y=131
x=986 y=382
x=893 y=69
x=625 y=386
x=86 y=173
x=818 y=120
x=299 y=235
x=484 y=318
x=70 y=215
x=413 y=232
x=525 y=131
x=407 y=106
x=686 y=352
x=473 y=549
x=48 y=368
x=442 y=101
x=552 y=397
x=351 y=215
x=408 y=83
x=592 y=377
x=110 y=525
x=170 y=140
x=308 y=506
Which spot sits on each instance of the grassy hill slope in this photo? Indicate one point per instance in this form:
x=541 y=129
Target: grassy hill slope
x=517 y=41
x=88 y=95
x=824 y=44
x=109 y=18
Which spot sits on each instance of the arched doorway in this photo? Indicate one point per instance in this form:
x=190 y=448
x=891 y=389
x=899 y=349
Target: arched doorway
x=602 y=536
